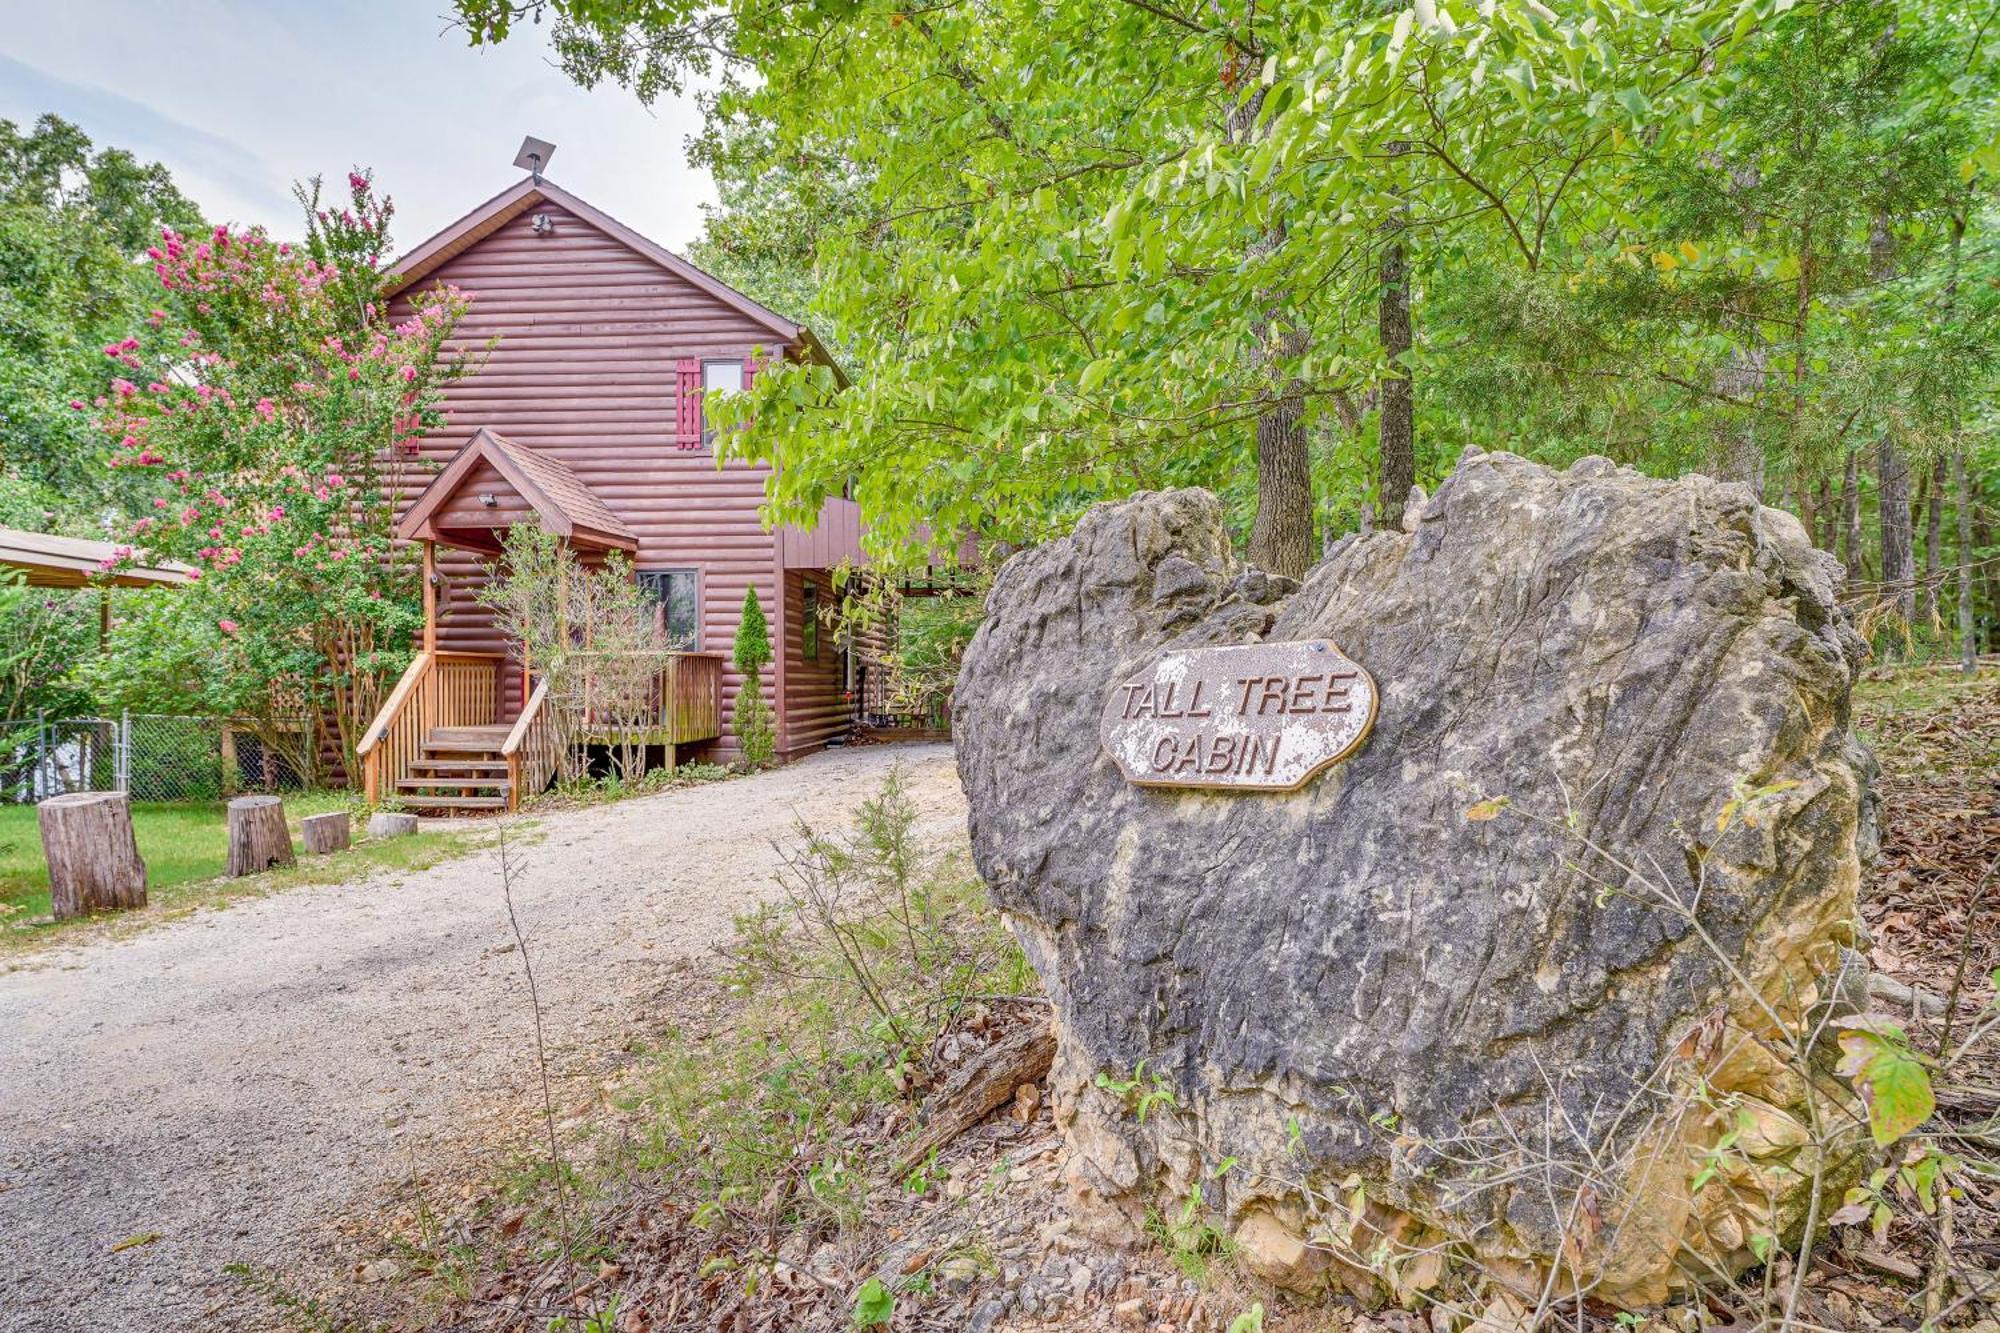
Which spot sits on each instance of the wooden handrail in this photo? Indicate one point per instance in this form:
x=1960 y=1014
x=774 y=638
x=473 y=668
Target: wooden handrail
x=438 y=689
x=419 y=666
x=529 y=712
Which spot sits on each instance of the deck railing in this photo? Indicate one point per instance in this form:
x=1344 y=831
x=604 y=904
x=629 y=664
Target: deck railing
x=678 y=703
x=532 y=749
x=438 y=689
x=691 y=696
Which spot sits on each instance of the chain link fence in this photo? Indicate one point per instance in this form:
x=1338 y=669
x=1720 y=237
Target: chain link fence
x=155 y=757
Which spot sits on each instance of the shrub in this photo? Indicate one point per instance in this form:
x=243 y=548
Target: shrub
x=752 y=721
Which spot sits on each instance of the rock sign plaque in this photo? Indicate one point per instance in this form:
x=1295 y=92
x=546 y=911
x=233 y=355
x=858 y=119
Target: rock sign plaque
x=1252 y=717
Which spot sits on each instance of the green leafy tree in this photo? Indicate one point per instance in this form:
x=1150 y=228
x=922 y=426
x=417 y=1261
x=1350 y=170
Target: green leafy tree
x=73 y=223
x=1074 y=249
x=751 y=720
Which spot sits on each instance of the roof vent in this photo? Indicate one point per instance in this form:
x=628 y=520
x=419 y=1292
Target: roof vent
x=534 y=156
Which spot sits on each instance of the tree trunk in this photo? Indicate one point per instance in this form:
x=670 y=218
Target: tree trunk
x=1397 y=428
x=1899 y=556
x=1933 y=539
x=1281 y=536
x=1968 y=637
x=1986 y=581
x=325 y=833
x=1742 y=376
x=1968 y=611
x=258 y=838
x=92 y=855
x=1850 y=515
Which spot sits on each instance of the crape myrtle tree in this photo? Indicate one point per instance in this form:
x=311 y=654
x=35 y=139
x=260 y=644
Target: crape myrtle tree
x=274 y=411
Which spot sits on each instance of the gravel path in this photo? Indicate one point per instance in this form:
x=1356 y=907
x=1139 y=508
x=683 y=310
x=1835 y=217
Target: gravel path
x=233 y=1080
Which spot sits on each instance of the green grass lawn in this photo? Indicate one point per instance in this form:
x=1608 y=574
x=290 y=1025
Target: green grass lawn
x=185 y=847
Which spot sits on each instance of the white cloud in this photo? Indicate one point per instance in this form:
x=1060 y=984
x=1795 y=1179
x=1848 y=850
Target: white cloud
x=240 y=98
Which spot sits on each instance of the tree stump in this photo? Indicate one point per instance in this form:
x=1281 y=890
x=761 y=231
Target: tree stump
x=93 y=857
x=258 y=838
x=325 y=833
x=386 y=825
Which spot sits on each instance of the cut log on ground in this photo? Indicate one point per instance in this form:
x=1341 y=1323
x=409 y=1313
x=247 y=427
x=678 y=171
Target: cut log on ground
x=258 y=838
x=980 y=1088
x=386 y=825
x=92 y=855
x=326 y=833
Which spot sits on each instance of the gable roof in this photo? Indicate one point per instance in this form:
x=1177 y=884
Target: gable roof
x=559 y=498
x=525 y=194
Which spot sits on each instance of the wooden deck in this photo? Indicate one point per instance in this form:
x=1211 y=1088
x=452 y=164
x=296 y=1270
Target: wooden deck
x=436 y=743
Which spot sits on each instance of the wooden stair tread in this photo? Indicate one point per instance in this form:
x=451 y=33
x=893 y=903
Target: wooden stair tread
x=461 y=765
x=425 y=784
x=478 y=738
x=456 y=802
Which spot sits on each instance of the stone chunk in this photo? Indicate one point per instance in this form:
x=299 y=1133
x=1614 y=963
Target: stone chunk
x=1389 y=976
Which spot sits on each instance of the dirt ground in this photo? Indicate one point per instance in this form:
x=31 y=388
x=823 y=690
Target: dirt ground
x=217 y=1090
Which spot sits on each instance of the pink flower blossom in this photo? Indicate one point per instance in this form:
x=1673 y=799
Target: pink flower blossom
x=226 y=626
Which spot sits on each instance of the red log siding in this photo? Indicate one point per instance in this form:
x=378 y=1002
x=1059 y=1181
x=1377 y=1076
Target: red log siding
x=815 y=708
x=590 y=333
x=832 y=540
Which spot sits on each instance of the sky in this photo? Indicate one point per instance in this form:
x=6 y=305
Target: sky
x=239 y=98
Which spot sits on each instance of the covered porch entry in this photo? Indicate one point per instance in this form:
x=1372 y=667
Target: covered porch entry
x=476 y=730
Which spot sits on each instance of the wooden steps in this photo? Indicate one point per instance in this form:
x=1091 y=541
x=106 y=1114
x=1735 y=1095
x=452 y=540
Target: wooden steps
x=461 y=770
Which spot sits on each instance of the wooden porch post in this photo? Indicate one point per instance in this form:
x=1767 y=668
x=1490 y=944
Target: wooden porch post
x=430 y=597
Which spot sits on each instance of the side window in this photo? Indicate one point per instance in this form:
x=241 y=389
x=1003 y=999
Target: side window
x=724 y=375
x=676 y=593
x=809 y=622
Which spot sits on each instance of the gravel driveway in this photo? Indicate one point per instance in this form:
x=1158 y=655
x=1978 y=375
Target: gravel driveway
x=234 y=1079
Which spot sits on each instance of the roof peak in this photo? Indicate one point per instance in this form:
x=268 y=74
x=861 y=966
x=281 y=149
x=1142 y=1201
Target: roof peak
x=486 y=218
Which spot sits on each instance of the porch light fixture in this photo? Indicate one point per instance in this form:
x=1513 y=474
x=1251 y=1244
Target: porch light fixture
x=489 y=501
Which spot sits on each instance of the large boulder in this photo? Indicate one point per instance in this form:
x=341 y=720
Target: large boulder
x=1523 y=974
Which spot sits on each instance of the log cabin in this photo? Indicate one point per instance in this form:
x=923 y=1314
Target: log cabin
x=586 y=417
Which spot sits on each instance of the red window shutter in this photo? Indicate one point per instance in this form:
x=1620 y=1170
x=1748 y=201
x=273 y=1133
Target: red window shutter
x=687 y=425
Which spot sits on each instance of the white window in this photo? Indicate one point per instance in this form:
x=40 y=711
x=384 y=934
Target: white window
x=726 y=376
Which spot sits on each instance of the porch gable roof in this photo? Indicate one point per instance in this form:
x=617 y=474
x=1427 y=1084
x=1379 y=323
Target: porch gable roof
x=565 y=506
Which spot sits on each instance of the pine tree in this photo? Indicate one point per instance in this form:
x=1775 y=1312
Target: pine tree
x=752 y=719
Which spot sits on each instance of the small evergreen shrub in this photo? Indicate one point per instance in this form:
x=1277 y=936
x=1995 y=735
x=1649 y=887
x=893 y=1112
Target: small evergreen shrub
x=752 y=722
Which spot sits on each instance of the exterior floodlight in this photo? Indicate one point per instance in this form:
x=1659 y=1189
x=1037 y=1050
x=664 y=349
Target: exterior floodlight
x=534 y=156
